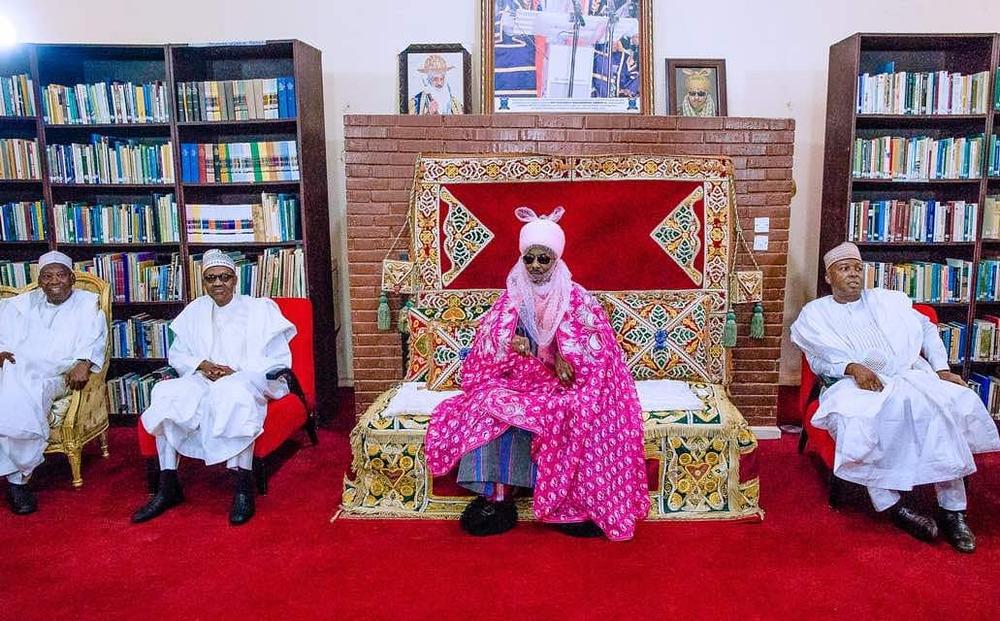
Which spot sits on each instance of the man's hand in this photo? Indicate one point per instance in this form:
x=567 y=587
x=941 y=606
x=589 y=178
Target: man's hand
x=213 y=371
x=864 y=377
x=76 y=377
x=564 y=371
x=521 y=345
x=954 y=378
x=6 y=356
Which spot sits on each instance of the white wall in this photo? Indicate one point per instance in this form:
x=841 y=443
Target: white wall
x=776 y=54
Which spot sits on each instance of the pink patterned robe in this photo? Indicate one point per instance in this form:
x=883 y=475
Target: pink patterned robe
x=588 y=439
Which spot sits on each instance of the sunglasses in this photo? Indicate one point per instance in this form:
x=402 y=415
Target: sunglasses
x=218 y=277
x=697 y=93
x=543 y=259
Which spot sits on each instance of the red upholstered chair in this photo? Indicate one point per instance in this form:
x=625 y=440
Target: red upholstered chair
x=819 y=441
x=285 y=416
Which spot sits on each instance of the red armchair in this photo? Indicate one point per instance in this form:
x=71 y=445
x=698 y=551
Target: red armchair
x=819 y=441
x=284 y=416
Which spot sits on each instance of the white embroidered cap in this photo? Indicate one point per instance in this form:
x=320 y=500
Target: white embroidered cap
x=846 y=250
x=55 y=257
x=216 y=258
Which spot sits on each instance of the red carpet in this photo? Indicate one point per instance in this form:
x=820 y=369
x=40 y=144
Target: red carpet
x=79 y=557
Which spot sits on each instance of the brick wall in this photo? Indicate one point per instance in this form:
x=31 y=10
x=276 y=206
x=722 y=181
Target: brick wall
x=381 y=151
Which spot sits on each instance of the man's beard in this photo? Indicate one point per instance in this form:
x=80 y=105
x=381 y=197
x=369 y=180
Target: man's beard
x=441 y=95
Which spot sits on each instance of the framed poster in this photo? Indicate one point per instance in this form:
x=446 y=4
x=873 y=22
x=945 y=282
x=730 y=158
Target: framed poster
x=696 y=86
x=435 y=79
x=567 y=56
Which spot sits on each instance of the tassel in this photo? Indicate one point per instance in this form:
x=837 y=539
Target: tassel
x=384 y=318
x=401 y=323
x=757 y=322
x=729 y=335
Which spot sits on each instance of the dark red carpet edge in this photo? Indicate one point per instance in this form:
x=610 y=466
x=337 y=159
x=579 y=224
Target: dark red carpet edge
x=80 y=558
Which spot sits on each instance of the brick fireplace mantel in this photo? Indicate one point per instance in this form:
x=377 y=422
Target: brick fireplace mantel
x=381 y=151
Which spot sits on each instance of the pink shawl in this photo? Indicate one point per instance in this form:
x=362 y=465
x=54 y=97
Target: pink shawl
x=588 y=439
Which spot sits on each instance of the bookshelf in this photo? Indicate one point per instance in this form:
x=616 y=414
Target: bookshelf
x=131 y=106
x=856 y=111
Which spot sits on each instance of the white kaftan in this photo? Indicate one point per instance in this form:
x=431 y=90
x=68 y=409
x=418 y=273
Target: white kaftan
x=46 y=340
x=919 y=428
x=215 y=421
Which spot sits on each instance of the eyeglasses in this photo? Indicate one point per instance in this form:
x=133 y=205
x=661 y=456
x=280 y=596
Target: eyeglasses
x=697 y=93
x=543 y=259
x=218 y=277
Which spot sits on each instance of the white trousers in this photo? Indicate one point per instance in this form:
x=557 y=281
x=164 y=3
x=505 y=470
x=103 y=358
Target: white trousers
x=169 y=457
x=950 y=496
x=17 y=478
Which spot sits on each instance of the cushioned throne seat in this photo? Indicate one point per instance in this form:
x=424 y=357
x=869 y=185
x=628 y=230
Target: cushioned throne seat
x=671 y=218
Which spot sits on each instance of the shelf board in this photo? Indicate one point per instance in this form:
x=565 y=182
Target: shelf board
x=19 y=182
x=875 y=121
x=145 y=360
x=112 y=186
x=248 y=124
x=100 y=126
x=115 y=246
x=21 y=120
x=160 y=303
x=25 y=242
x=243 y=184
x=871 y=245
x=943 y=304
x=238 y=245
x=918 y=182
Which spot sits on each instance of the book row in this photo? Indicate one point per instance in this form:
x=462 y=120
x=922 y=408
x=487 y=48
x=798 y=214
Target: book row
x=140 y=336
x=19 y=159
x=23 y=221
x=985 y=345
x=912 y=221
x=240 y=162
x=130 y=393
x=993 y=167
x=988 y=280
x=236 y=100
x=111 y=161
x=932 y=92
x=923 y=281
x=105 y=102
x=126 y=223
x=137 y=276
x=17 y=95
x=274 y=219
x=988 y=389
x=991 y=217
x=277 y=272
x=952 y=334
x=918 y=158
x=18 y=273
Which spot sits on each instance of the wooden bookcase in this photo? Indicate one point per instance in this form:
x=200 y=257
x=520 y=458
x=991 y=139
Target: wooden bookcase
x=860 y=53
x=173 y=63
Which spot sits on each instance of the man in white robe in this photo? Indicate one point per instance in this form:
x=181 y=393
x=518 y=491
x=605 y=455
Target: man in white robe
x=899 y=419
x=224 y=345
x=51 y=339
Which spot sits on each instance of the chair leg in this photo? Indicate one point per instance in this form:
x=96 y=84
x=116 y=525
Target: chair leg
x=74 y=465
x=836 y=496
x=803 y=439
x=260 y=475
x=104 y=443
x=311 y=428
x=152 y=475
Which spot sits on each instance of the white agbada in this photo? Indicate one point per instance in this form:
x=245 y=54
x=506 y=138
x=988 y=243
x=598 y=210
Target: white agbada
x=215 y=421
x=919 y=428
x=46 y=340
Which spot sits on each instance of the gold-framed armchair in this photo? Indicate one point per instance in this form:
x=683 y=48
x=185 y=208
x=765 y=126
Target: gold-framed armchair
x=82 y=415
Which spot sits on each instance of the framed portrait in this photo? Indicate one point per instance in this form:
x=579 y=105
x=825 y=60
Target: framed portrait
x=696 y=86
x=567 y=56
x=435 y=79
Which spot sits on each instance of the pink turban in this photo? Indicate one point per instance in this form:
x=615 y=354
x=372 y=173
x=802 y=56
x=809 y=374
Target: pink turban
x=844 y=251
x=541 y=230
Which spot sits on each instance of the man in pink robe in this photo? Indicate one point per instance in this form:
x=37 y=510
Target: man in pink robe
x=546 y=362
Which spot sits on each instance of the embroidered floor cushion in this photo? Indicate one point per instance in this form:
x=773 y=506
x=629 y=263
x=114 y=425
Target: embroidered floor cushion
x=664 y=334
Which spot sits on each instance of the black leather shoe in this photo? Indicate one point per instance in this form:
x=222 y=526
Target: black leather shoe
x=169 y=495
x=483 y=517
x=918 y=525
x=20 y=499
x=243 y=507
x=956 y=531
x=581 y=529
